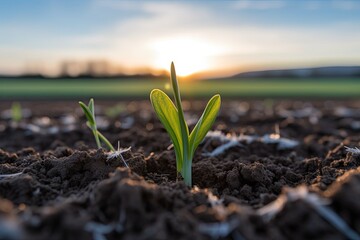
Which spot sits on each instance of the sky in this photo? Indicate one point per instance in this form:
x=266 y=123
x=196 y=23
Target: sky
x=216 y=38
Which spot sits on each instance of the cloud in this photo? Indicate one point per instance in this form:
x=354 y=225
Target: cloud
x=234 y=44
x=159 y=27
x=312 y=5
x=112 y=4
x=130 y=40
x=258 y=5
x=346 y=5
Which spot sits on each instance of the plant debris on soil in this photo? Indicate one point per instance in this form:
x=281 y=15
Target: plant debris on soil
x=267 y=170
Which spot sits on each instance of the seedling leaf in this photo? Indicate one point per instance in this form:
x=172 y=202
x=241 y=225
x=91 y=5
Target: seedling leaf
x=168 y=115
x=105 y=141
x=184 y=130
x=91 y=107
x=205 y=122
x=88 y=114
x=89 y=111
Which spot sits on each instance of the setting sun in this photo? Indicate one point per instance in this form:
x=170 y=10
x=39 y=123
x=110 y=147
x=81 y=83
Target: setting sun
x=190 y=55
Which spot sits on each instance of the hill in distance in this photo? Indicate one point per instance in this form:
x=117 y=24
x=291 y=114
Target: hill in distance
x=314 y=72
x=86 y=76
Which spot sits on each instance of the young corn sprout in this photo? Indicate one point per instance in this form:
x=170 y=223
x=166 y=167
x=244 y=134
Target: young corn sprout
x=16 y=112
x=172 y=117
x=89 y=111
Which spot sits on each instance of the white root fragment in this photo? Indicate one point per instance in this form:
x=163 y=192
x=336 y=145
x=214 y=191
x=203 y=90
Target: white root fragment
x=10 y=175
x=118 y=153
x=222 y=148
x=355 y=151
x=218 y=135
x=269 y=211
x=231 y=140
x=248 y=139
x=217 y=230
x=99 y=230
x=171 y=146
x=317 y=203
x=282 y=143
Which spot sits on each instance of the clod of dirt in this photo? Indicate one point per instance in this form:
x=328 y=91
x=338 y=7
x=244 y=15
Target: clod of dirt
x=58 y=186
x=345 y=196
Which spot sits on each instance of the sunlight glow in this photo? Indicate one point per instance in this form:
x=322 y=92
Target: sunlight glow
x=190 y=55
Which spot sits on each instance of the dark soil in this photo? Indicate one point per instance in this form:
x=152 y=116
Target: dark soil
x=67 y=189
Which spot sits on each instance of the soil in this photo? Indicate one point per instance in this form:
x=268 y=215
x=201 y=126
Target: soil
x=65 y=188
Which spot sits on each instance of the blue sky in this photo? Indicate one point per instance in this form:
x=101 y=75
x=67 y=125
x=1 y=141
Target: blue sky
x=218 y=37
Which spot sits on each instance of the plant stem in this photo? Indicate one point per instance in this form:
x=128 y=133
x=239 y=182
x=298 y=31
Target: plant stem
x=91 y=107
x=95 y=132
x=104 y=140
x=186 y=172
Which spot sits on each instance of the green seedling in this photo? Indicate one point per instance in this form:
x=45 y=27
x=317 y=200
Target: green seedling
x=91 y=123
x=115 y=111
x=89 y=111
x=172 y=117
x=16 y=112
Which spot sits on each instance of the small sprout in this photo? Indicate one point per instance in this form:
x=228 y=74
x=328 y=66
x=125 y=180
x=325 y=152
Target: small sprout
x=16 y=112
x=172 y=117
x=89 y=111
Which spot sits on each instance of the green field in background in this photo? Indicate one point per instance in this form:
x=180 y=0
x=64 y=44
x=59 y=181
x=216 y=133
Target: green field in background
x=140 y=88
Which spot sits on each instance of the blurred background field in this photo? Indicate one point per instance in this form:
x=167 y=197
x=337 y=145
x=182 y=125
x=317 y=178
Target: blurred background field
x=112 y=49
x=58 y=89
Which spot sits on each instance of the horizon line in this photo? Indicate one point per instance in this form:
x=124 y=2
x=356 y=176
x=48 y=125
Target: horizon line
x=153 y=73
